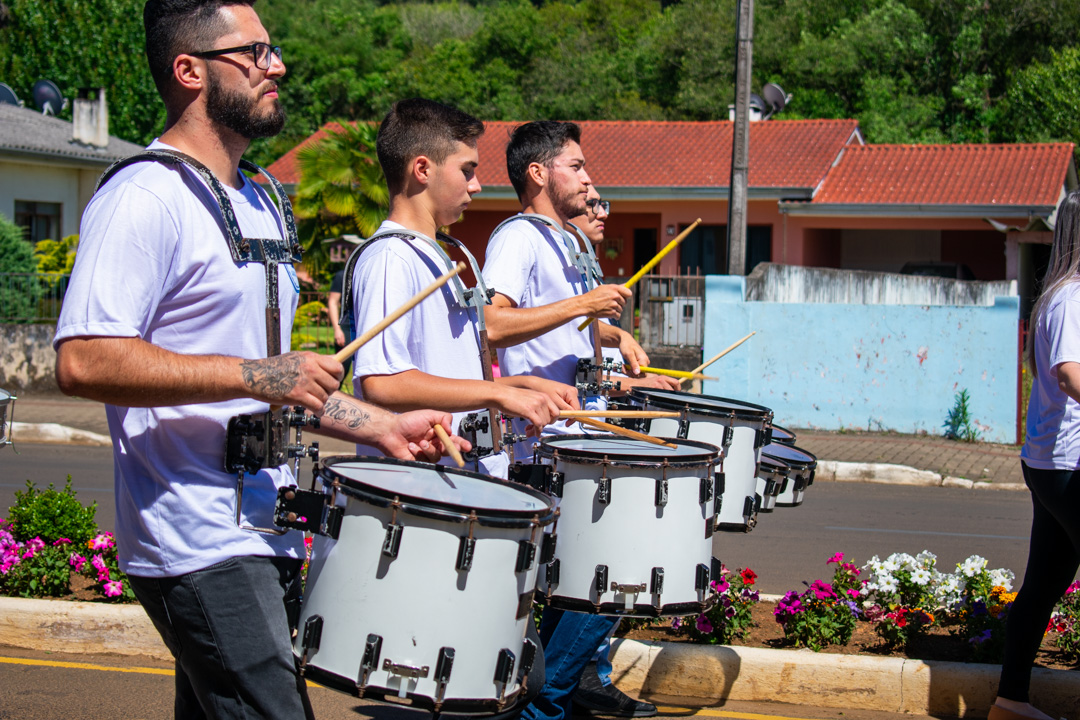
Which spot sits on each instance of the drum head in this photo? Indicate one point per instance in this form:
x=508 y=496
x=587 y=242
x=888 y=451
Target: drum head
x=425 y=485
x=782 y=435
x=703 y=404
x=771 y=464
x=622 y=450
x=790 y=455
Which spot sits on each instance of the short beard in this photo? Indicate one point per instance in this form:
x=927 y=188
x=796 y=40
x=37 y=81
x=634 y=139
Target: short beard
x=568 y=205
x=238 y=112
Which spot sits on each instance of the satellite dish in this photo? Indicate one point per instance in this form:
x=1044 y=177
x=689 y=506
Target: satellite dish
x=756 y=103
x=48 y=98
x=8 y=96
x=776 y=98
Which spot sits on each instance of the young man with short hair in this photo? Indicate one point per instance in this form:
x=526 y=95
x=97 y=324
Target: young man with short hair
x=170 y=320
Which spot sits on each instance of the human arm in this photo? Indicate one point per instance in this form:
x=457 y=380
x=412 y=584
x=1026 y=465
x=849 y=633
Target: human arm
x=130 y=372
x=413 y=389
x=1068 y=377
x=406 y=436
x=333 y=306
x=509 y=325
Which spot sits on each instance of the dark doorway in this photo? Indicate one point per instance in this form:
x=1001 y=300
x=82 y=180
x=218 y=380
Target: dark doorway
x=644 y=246
x=704 y=251
x=758 y=246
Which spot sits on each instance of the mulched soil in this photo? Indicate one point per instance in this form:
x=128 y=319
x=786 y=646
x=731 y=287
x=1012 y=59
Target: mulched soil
x=83 y=589
x=937 y=644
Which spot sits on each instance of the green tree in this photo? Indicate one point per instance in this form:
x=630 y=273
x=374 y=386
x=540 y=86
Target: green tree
x=18 y=294
x=56 y=256
x=341 y=191
x=1043 y=102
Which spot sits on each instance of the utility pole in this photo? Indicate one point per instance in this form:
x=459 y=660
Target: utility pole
x=740 y=145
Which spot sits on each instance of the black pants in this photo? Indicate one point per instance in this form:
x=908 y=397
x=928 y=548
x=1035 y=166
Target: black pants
x=1053 y=558
x=228 y=626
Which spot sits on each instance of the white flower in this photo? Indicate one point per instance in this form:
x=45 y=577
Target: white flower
x=905 y=561
x=890 y=565
x=972 y=566
x=888 y=585
x=1002 y=577
x=921 y=576
x=926 y=559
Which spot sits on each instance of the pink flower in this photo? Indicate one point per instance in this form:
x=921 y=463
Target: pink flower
x=104 y=541
x=703 y=624
x=853 y=592
x=676 y=623
x=99 y=564
x=61 y=541
x=76 y=561
x=114 y=588
x=822 y=590
x=837 y=558
x=722 y=586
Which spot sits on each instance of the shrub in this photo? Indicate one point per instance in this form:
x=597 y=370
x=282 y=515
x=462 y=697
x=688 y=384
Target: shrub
x=103 y=567
x=958 y=423
x=904 y=591
x=16 y=256
x=1066 y=622
x=34 y=569
x=52 y=515
x=823 y=614
x=729 y=617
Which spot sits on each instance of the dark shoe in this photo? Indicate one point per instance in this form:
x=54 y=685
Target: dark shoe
x=594 y=698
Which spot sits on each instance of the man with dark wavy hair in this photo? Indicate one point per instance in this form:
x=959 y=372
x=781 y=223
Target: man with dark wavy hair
x=175 y=324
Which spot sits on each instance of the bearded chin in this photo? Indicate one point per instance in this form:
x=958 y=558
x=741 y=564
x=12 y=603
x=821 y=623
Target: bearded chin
x=240 y=113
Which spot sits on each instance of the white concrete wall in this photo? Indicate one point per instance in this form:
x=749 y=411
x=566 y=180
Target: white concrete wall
x=42 y=183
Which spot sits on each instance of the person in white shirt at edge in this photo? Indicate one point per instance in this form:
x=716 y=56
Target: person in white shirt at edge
x=540 y=298
x=165 y=328
x=432 y=357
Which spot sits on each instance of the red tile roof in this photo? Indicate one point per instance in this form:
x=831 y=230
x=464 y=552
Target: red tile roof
x=287 y=168
x=783 y=153
x=1020 y=174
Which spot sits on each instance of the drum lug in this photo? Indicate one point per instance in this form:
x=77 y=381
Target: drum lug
x=551 y=574
x=393 y=540
x=717 y=567
x=603 y=491
x=528 y=657
x=760 y=436
x=504 y=672
x=705 y=492
x=443 y=666
x=811 y=480
x=701 y=580
x=526 y=555
x=661 y=493
x=748 y=513
x=657 y=583
x=555 y=484
x=370 y=661
x=684 y=427
x=600 y=580
x=525 y=603
x=729 y=435
x=721 y=482
x=547 y=548
x=311 y=639
x=465 y=554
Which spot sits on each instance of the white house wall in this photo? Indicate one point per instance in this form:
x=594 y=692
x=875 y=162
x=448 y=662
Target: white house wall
x=40 y=183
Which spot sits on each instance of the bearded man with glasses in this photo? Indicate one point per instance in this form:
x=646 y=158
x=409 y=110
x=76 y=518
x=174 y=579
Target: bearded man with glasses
x=173 y=320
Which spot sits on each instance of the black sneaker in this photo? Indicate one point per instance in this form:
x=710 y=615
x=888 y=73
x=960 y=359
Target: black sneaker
x=594 y=698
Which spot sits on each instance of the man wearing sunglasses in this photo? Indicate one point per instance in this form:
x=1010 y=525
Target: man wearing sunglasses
x=175 y=324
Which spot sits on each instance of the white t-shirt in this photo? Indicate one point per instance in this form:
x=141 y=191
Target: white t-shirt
x=1053 y=419
x=154 y=263
x=436 y=337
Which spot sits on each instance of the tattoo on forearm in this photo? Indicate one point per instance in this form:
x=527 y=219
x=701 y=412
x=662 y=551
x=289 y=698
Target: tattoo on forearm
x=345 y=413
x=273 y=377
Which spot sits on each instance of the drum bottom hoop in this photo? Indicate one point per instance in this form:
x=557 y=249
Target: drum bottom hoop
x=738 y=527
x=614 y=609
x=472 y=706
x=790 y=504
x=764 y=509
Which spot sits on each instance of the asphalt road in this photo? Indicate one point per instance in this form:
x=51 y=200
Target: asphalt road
x=787 y=547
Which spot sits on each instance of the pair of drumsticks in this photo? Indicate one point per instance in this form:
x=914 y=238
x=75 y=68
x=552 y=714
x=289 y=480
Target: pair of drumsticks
x=585 y=417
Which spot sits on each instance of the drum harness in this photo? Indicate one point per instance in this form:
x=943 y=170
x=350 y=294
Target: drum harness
x=253 y=441
x=478 y=428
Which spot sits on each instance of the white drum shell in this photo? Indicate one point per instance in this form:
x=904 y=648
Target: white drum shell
x=631 y=535
x=419 y=602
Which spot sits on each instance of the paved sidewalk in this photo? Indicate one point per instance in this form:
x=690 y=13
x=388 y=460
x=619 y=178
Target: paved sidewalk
x=973 y=461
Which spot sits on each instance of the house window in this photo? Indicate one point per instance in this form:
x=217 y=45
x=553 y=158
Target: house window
x=41 y=219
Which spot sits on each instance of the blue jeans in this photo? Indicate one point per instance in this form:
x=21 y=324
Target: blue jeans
x=570 y=641
x=228 y=626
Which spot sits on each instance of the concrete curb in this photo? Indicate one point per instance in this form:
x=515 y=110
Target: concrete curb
x=888 y=474
x=54 y=433
x=681 y=673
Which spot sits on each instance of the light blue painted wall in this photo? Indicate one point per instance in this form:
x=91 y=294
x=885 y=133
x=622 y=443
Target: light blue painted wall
x=878 y=367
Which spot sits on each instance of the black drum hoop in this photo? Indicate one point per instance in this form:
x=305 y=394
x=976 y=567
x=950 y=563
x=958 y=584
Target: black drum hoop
x=436 y=509
x=797 y=464
x=711 y=456
x=788 y=437
x=748 y=411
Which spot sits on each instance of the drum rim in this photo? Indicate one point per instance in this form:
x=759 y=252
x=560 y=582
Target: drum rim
x=749 y=411
x=589 y=457
x=5 y=397
x=439 y=509
x=783 y=441
x=792 y=462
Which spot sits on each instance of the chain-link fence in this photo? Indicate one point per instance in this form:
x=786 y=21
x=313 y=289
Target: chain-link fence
x=31 y=297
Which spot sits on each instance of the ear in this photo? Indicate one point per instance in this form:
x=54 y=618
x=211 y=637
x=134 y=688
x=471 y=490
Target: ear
x=189 y=72
x=537 y=173
x=421 y=169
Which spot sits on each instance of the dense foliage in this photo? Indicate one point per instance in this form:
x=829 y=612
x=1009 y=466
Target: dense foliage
x=909 y=70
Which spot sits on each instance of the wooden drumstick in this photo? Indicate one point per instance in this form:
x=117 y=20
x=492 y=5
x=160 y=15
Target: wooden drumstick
x=681 y=374
x=649 y=414
x=624 y=432
x=734 y=345
x=451 y=448
x=351 y=348
x=651 y=264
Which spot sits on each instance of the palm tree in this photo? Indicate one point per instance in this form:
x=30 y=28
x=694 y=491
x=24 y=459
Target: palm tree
x=341 y=191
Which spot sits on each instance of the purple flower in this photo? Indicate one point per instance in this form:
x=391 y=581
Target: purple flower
x=113 y=589
x=676 y=623
x=703 y=624
x=730 y=612
x=853 y=607
x=980 y=638
x=822 y=590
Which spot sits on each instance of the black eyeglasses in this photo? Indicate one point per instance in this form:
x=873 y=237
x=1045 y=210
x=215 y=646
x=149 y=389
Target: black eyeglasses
x=259 y=50
x=596 y=204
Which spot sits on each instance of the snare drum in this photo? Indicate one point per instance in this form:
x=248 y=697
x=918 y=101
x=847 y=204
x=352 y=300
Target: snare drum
x=7 y=400
x=800 y=475
x=427 y=590
x=772 y=473
x=740 y=428
x=782 y=435
x=636 y=524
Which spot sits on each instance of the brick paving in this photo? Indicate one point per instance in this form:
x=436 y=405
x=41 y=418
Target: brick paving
x=974 y=461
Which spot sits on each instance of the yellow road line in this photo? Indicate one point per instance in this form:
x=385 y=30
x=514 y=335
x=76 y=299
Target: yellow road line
x=84 y=666
x=710 y=712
